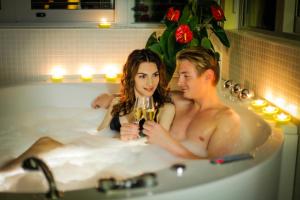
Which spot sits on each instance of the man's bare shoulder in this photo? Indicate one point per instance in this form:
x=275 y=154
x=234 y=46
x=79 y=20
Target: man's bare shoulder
x=228 y=117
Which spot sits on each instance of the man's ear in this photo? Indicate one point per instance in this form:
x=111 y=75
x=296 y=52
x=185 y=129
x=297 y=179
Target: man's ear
x=209 y=75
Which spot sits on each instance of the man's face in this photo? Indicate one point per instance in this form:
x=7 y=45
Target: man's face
x=190 y=83
x=146 y=80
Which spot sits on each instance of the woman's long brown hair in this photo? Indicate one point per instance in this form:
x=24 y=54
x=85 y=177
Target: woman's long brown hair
x=130 y=70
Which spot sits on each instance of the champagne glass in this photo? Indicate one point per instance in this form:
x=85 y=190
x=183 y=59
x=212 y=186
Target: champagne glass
x=149 y=108
x=138 y=109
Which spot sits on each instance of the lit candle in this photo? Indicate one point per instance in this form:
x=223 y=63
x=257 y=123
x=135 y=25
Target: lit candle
x=86 y=74
x=86 y=77
x=73 y=6
x=111 y=77
x=258 y=103
x=270 y=110
x=57 y=75
x=282 y=118
x=104 y=23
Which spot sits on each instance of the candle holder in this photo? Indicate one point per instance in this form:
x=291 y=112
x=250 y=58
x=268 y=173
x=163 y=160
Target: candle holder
x=57 y=79
x=86 y=78
x=57 y=74
x=282 y=118
x=269 y=111
x=104 y=23
x=258 y=103
x=111 y=77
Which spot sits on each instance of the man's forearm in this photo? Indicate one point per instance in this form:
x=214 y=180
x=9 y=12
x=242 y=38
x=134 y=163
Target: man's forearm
x=177 y=149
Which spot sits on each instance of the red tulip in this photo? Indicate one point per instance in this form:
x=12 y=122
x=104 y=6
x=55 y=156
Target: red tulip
x=217 y=12
x=173 y=15
x=183 y=34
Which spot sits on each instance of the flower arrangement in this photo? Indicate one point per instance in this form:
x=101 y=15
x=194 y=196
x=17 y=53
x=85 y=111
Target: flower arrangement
x=192 y=27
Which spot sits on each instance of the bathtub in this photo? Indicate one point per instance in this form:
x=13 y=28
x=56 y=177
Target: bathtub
x=63 y=112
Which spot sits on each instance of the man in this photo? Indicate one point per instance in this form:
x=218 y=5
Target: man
x=203 y=126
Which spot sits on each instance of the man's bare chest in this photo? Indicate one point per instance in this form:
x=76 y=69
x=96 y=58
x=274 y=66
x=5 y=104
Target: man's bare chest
x=201 y=128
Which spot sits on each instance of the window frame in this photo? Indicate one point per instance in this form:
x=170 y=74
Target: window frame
x=23 y=15
x=285 y=24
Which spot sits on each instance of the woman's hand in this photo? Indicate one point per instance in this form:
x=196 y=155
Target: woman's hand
x=129 y=131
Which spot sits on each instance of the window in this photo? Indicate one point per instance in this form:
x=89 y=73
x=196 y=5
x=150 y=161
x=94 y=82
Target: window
x=297 y=18
x=273 y=16
x=72 y=4
x=66 y=12
x=260 y=14
x=154 y=11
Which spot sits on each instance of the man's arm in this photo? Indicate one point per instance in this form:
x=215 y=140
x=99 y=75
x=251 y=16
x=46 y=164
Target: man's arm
x=226 y=138
x=103 y=100
x=158 y=135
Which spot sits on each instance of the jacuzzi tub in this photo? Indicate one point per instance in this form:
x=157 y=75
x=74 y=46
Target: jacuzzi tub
x=68 y=105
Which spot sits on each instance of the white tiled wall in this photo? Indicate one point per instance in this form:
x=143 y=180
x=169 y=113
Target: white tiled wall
x=30 y=54
x=268 y=65
x=264 y=64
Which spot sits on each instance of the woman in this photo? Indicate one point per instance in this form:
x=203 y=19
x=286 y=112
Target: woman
x=143 y=75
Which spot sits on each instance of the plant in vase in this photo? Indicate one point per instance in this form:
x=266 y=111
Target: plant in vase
x=191 y=27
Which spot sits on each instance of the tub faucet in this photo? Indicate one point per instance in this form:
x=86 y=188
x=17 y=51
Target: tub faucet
x=34 y=163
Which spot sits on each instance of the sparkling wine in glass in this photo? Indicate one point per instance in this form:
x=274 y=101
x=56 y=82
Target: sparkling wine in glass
x=138 y=109
x=149 y=108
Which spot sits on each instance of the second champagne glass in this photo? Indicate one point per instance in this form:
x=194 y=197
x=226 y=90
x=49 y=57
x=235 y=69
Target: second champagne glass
x=149 y=108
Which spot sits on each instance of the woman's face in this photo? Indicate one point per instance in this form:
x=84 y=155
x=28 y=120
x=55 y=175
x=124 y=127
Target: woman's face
x=146 y=79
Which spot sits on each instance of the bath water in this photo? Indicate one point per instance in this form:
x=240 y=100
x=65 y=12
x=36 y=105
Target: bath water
x=87 y=156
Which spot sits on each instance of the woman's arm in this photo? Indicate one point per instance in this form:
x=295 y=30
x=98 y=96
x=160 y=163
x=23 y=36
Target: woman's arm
x=107 y=118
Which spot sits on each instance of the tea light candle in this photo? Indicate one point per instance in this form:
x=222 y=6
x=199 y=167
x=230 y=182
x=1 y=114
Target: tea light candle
x=282 y=118
x=270 y=110
x=258 y=103
x=86 y=77
x=57 y=75
x=104 y=23
x=111 y=77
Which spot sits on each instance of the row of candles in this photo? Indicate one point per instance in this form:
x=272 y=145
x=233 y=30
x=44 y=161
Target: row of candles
x=86 y=74
x=270 y=112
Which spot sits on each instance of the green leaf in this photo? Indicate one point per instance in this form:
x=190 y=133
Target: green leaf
x=194 y=42
x=220 y=33
x=152 y=40
x=205 y=42
x=185 y=15
x=193 y=22
x=156 y=48
x=171 y=44
x=164 y=41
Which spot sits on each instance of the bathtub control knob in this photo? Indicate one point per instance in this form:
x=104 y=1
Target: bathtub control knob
x=236 y=89
x=143 y=181
x=148 y=180
x=245 y=94
x=228 y=84
x=107 y=184
x=178 y=168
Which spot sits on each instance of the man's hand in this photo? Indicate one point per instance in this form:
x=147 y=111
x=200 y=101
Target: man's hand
x=129 y=131
x=156 y=134
x=102 y=101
